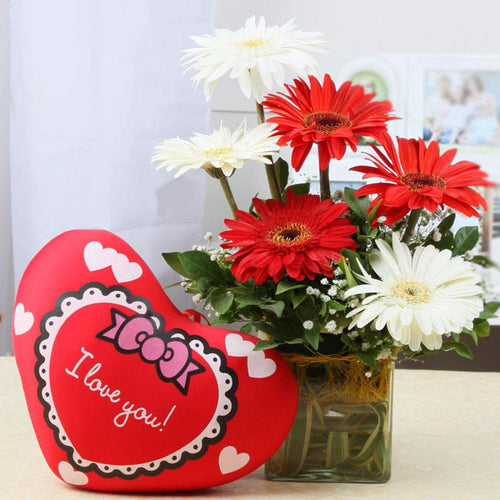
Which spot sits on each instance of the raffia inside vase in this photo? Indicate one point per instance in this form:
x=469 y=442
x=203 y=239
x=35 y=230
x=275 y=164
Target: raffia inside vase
x=342 y=431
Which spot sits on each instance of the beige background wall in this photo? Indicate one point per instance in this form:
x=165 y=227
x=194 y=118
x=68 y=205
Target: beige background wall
x=6 y=274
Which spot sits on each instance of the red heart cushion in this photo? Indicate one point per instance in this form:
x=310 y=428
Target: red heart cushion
x=125 y=392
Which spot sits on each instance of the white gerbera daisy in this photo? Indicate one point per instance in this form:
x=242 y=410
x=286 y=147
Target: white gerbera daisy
x=419 y=298
x=256 y=55
x=220 y=150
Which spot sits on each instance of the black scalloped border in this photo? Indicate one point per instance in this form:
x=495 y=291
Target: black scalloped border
x=205 y=443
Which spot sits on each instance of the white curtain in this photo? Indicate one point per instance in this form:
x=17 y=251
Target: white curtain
x=95 y=85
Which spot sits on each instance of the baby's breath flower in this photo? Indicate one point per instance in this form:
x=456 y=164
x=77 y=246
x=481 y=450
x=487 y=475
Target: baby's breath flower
x=197 y=298
x=332 y=291
x=468 y=255
x=308 y=325
x=324 y=281
x=324 y=298
x=331 y=326
x=368 y=374
x=382 y=219
x=365 y=346
x=209 y=236
x=436 y=235
x=384 y=353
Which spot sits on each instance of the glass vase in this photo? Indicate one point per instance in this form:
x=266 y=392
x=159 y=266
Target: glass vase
x=343 y=428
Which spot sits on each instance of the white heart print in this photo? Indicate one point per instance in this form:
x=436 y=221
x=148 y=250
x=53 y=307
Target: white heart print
x=23 y=320
x=257 y=364
x=71 y=475
x=230 y=460
x=97 y=257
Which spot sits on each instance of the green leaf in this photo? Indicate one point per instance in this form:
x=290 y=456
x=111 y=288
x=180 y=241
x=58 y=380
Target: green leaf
x=373 y=213
x=247 y=328
x=204 y=286
x=172 y=285
x=353 y=259
x=483 y=261
x=284 y=286
x=367 y=359
x=264 y=327
x=248 y=300
x=482 y=328
x=261 y=345
x=298 y=297
x=336 y=305
x=447 y=223
x=349 y=342
x=446 y=241
x=251 y=208
x=198 y=265
x=344 y=265
x=299 y=189
x=473 y=334
x=485 y=314
x=283 y=171
x=172 y=259
x=492 y=306
x=465 y=239
x=459 y=348
x=359 y=205
x=313 y=337
x=297 y=340
x=275 y=307
x=221 y=300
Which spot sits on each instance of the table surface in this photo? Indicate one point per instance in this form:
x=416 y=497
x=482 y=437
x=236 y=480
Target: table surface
x=446 y=445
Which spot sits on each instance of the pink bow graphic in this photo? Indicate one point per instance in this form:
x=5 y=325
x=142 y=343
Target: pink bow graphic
x=168 y=350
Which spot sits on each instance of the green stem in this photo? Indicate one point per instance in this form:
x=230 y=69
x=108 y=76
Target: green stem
x=261 y=117
x=228 y=193
x=272 y=176
x=324 y=183
x=412 y=223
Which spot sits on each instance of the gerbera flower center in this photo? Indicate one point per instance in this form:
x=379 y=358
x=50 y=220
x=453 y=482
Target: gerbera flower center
x=291 y=233
x=216 y=152
x=412 y=292
x=418 y=180
x=251 y=43
x=326 y=121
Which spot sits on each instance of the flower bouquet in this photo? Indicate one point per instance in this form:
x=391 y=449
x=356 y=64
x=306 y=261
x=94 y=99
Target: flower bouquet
x=341 y=284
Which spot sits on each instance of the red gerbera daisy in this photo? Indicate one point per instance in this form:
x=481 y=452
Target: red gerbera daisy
x=301 y=236
x=331 y=117
x=418 y=176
